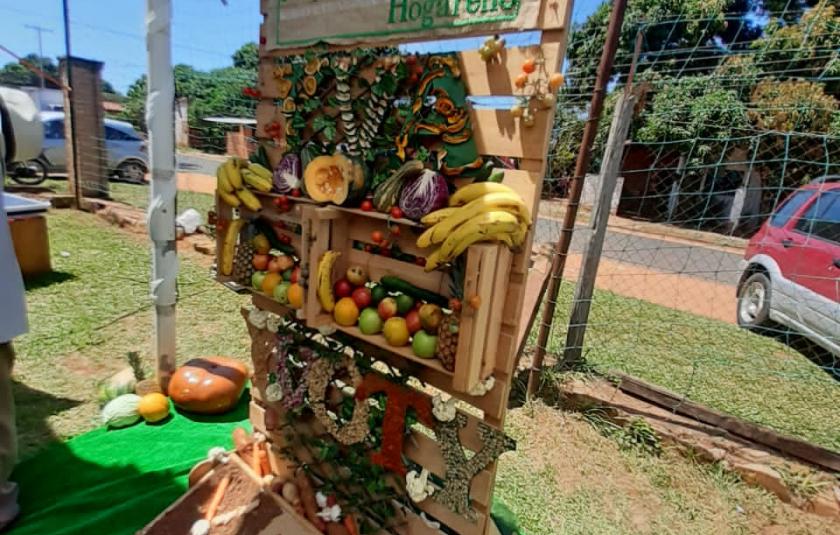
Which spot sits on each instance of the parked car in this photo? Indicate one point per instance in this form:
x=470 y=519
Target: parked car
x=125 y=148
x=792 y=267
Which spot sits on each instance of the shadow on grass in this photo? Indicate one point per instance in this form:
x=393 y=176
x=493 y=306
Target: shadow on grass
x=47 y=279
x=33 y=409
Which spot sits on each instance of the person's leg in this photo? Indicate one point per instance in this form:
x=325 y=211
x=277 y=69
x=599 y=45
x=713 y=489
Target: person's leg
x=8 y=437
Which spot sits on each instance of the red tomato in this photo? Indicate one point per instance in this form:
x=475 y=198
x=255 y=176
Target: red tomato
x=529 y=66
x=395 y=230
x=396 y=212
x=296 y=192
x=420 y=261
x=521 y=80
x=278 y=202
x=367 y=205
x=376 y=236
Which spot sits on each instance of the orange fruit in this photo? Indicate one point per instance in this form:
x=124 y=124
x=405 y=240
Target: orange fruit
x=555 y=81
x=529 y=65
x=346 y=312
x=295 y=295
x=270 y=281
x=521 y=80
x=396 y=331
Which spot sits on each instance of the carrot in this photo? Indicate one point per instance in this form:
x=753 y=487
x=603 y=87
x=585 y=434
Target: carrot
x=255 y=460
x=217 y=498
x=350 y=524
x=307 y=499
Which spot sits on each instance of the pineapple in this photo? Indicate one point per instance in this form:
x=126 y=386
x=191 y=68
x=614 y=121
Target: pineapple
x=243 y=268
x=447 y=346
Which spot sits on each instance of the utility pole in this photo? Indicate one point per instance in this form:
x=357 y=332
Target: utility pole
x=77 y=181
x=40 y=30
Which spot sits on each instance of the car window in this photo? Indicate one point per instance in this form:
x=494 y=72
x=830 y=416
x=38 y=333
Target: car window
x=54 y=129
x=822 y=219
x=790 y=207
x=114 y=134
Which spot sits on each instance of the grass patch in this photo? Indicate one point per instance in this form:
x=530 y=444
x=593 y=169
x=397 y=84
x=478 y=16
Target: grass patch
x=710 y=362
x=95 y=308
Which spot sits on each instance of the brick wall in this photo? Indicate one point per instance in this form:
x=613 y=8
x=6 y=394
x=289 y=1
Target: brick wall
x=83 y=111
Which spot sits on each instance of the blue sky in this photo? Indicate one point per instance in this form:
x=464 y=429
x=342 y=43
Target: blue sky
x=205 y=33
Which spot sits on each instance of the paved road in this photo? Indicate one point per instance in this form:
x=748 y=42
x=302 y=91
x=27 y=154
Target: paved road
x=662 y=255
x=658 y=254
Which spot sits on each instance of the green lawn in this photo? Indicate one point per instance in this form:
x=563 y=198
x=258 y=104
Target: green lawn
x=713 y=363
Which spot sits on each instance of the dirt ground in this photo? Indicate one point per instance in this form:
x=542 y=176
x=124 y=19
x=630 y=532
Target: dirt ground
x=566 y=478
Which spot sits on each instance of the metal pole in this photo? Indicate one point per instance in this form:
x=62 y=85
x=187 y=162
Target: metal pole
x=77 y=180
x=40 y=30
x=160 y=118
x=561 y=248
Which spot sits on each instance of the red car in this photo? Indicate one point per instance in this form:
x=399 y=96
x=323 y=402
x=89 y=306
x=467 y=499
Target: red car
x=792 y=267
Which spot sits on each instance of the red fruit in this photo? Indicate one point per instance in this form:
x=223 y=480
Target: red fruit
x=284 y=199
x=342 y=288
x=412 y=321
x=280 y=225
x=296 y=192
x=295 y=275
x=385 y=252
x=387 y=308
x=260 y=261
x=284 y=239
x=368 y=248
x=367 y=205
x=278 y=202
x=396 y=213
x=362 y=297
x=395 y=230
x=529 y=66
x=411 y=61
x=418 y=70
x=376 y=236
x=455 y=305
x=275 y=265
x=420 y=261
x=413 y=79
x=521 y=80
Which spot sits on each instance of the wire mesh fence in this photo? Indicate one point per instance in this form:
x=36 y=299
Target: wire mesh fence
x=719 y=275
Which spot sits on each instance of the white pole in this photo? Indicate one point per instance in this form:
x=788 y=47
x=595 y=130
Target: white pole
x=160 y=118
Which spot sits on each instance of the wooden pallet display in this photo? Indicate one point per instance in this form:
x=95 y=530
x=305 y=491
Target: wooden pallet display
x=493 y=272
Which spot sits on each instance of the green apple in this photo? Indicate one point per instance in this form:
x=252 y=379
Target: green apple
x=404 y=304
x=424 y=344
x=257 y=279
x=287 y=275
x=281 y=293
x=369 y=321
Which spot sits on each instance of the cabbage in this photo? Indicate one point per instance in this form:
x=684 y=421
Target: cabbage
x=286 y=175
x=424 y=194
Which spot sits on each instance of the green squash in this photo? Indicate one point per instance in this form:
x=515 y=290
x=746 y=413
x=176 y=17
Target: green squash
x=121 y=411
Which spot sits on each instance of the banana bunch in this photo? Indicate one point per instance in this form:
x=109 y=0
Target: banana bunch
x=324 y=280
x=233 y=175
x=479 y=212
x=228 y=246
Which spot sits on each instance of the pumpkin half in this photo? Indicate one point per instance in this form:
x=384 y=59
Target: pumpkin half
x=325 y=179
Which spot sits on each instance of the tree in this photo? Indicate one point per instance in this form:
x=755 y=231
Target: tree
x=247 y=57
x=15 y=74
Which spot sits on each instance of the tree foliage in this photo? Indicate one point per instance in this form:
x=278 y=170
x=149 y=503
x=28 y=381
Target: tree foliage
x=15 y=74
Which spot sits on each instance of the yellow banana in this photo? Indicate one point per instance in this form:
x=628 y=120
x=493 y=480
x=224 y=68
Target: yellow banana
x=437 y=216
x=518 y=236
x=495 y=226
x=260 y=171
x=222 y=180
x=256 y=181
x=475 y=190
x=249 y=199
x=325 y=291
x=233 y=175
x=229 y=198
x=229 y=246
x=491 y=202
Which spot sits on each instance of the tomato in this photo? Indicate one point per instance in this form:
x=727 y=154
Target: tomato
x=529 y=66
x=396 y=212
x=278 y=202
x=555 y=81
x=395 y=230
x=420 y=261
x=367 y=205
x=521 y=81
x=455 y=304
x=376 y=236
x=296 y=192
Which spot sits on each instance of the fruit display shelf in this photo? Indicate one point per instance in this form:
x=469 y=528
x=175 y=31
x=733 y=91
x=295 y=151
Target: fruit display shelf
x=405 y=351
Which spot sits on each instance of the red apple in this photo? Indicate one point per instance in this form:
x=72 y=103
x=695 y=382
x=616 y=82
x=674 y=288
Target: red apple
x=275 y=265
x=342 y=288
x=362 y=297
x=387 y=308
x=295 y=275
x=260 y=261
x=412 y=321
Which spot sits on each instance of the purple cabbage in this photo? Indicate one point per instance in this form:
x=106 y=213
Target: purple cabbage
x=286 y=176
x=424 y=194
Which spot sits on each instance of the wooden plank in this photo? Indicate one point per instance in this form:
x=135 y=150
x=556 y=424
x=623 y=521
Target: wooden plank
x=496 y=310
x=378 y=266
x=494 y=78
x=506 y=353
x=528 y=185
x=756 y=433
x=556 y=15
x=319 y=244
x=466 y=367
x=266 y=114
x=266 y=82
x=361 y=228
x=498 y=133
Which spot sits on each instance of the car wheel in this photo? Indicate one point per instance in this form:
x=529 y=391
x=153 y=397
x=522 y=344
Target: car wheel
x=754 y=302
x=132 y=172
